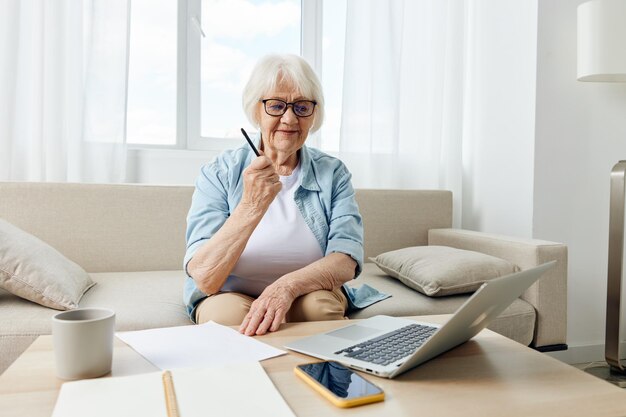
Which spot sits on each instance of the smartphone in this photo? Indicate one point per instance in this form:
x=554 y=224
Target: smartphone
x=340 y=385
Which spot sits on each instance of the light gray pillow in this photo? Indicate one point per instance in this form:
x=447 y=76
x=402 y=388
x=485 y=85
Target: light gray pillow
x=441 y=270
x=32 y=269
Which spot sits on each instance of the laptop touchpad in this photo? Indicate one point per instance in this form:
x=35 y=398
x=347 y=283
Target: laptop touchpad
x=355 y=332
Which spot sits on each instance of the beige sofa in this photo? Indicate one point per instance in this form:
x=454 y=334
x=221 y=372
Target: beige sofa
x=130 y=238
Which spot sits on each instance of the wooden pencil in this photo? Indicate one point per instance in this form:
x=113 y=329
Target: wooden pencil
x=170 y=395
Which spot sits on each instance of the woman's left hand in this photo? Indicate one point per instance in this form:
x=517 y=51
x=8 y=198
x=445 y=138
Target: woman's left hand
x=268 y=311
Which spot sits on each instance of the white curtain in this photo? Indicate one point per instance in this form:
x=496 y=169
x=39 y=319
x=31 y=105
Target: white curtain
x=402 y=111
x=63 y=75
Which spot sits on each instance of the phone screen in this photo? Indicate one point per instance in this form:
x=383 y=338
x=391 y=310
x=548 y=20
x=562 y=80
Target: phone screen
x=340 y=380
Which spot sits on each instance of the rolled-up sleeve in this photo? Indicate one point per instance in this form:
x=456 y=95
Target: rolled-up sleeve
x=345 y=233
x=208 y=212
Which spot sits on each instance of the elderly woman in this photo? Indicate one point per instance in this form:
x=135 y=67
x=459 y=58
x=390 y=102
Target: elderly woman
x=273 y=238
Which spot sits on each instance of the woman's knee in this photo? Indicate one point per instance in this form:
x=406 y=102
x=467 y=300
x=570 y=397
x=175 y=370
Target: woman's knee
x=319 y=305
x=228 y=309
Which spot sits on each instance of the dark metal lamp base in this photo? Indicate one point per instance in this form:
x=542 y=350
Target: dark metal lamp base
x=604 y=371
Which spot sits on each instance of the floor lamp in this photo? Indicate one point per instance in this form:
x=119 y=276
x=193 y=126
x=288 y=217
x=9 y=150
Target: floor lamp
x=602 y=57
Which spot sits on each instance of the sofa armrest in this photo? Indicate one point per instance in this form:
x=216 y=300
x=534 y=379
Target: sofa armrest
x=548 y=295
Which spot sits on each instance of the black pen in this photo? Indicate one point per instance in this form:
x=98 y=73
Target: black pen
x=250 y=142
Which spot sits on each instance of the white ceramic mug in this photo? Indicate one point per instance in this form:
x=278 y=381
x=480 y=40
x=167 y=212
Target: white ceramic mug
x=83 y=342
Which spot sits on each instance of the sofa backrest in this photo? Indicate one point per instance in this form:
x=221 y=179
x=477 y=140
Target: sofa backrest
x=132 y=227
x=103 y=227
x=394 y=219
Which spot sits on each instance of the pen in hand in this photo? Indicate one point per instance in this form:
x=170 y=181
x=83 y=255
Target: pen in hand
x=250 y=142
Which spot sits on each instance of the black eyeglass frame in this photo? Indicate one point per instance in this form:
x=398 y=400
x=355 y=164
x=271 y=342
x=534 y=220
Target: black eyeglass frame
x=287 y=106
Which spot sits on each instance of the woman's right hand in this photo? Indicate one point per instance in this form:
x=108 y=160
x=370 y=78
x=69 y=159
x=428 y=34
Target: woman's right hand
x=261 y=184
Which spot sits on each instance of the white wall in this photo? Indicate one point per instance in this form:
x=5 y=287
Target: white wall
x=163 y=166
x=166 y=166
x=580 y=134
x=499 y=123
x=539 y=153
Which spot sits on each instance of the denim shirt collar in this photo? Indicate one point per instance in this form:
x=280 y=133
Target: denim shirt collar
x=307 y=174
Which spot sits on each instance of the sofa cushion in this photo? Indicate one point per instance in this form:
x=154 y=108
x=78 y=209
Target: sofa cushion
x=441 y=270
x=517 y=322
x=35 y=271
x=141 y=300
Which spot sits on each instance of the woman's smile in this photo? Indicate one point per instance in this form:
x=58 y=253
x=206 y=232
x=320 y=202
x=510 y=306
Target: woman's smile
x=287 y=132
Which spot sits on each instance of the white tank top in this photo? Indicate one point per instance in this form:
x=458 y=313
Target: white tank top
x=281 y=243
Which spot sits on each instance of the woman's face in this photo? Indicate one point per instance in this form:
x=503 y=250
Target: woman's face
x=287 y=133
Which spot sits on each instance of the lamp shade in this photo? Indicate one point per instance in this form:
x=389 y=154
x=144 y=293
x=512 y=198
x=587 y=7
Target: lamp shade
x=602 y=41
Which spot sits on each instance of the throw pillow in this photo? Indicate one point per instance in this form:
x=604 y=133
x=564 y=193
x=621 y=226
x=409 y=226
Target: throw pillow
x=32 y=269
x=441 y=270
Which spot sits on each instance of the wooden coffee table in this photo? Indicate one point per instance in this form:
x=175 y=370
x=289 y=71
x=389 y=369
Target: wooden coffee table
x=487 y=376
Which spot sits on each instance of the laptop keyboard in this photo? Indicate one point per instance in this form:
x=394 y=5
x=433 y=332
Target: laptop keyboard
x=391 y=346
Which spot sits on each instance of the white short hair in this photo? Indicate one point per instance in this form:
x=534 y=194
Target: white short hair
x=270 y=71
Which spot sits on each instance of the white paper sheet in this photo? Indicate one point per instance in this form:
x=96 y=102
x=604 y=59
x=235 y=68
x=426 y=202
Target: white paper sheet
x=200 y=346
x=235 y=390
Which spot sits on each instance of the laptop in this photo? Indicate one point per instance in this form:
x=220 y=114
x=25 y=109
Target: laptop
x=388 y=346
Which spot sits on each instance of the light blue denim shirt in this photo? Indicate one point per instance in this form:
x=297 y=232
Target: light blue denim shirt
x=325 y=199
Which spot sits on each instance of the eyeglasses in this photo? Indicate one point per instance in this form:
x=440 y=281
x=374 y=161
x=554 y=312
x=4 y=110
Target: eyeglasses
x=301 y=108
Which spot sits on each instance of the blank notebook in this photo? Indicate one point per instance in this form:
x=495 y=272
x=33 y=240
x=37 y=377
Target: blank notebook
x=235 y=390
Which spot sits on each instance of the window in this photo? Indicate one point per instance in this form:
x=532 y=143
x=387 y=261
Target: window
x=189 y=62
x=151 y=107
x=223 y=46
x=333 y=50
x=236 y=34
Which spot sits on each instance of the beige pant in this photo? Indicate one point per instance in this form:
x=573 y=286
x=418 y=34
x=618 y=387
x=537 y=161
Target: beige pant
x=230 y=308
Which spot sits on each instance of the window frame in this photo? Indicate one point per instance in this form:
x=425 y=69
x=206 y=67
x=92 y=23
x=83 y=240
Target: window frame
x=188 y=108
x=180 y=142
